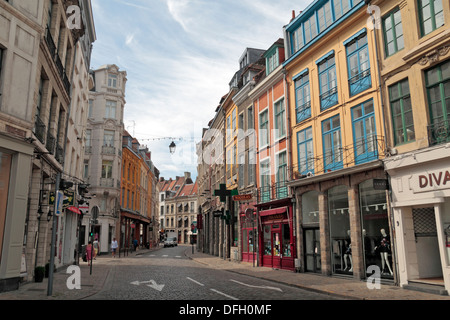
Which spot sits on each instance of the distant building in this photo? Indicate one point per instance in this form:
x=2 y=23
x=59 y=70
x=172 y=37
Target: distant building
x=103 y=154
x=180 y=207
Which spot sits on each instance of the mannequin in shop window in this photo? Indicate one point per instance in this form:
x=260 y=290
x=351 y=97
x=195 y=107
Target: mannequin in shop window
x=384 y=248
x=348 y=254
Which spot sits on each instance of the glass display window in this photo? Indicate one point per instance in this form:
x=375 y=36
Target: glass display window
x=339 y=221
x=310 y=208
x=286 y=237
x=267 y=241
x=375 y=228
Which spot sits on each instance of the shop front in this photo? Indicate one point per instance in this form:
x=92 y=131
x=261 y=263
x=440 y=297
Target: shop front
x=420 y=183
x=248 y=235
x=343 y=223
x=277 y=238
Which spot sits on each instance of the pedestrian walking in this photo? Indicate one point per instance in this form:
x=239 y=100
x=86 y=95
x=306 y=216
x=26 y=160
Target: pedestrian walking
x=114 y=247
x=89 y=253
x=135 y=243
x=96 y=246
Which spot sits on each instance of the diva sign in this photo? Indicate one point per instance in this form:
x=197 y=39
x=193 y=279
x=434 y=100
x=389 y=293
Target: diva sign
x=429 y=181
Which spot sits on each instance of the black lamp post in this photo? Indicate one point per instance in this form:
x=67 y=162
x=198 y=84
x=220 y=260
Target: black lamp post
x=172 y=147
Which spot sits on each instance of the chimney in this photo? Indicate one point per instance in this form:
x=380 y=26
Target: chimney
x=293 y=15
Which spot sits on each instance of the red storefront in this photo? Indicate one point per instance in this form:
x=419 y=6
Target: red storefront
x=248 y=235
x=276 y=238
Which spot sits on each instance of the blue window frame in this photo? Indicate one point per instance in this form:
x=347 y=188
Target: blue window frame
x=305 y=151
x=359 y=78
x=302 y=97
x=332 y=147
x=327 y=82
x=364 y=132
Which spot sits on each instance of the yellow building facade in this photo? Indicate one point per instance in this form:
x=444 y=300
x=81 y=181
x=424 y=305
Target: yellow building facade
x=414 y=50
x=337 y=141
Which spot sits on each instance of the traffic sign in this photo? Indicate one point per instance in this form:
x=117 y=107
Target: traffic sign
x=59 y=203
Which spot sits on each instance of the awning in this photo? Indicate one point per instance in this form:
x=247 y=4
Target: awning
x=135 y=217
x=74 y=209
x=272 y=211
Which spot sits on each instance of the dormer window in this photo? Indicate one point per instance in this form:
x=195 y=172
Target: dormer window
x=112 y=80
x=272 y=61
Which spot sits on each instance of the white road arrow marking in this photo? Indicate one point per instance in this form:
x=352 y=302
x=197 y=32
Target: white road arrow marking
x=260 y=287
x=156 y=286
x=152 y=284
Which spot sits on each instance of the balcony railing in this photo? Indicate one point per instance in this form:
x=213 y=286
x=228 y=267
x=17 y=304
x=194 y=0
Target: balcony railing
x=273 y=192
x=108 y=150
x=57 y=60
x=107 y=183
x=50 y=43
x=439 y=132
x=365 y=150
x=51 y=143
x=59 y=155
x=39 y=129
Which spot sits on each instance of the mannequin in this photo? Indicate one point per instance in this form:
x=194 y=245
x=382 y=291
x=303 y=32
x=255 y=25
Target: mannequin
x=384 y=248
x=348 y=253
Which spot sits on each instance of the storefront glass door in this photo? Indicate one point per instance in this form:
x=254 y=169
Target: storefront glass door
x=312 y=250
x=276 y=242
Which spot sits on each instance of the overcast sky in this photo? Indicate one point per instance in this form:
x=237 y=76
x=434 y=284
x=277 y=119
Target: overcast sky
x=180 y=56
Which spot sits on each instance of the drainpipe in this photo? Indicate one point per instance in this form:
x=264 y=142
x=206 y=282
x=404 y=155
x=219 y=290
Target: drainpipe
x=388 y=192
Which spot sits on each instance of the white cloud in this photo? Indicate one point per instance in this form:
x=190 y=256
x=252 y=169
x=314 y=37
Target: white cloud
x=180 y=56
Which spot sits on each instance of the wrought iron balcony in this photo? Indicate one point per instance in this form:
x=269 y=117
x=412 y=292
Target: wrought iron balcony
x=59 y=155
x=51 y=143
x=57 y=60
x=108 y=183
x=439 y=132
x=108 y=150
x=273 y=192
x=50 y=43
x=39 y=129
x=363 y=151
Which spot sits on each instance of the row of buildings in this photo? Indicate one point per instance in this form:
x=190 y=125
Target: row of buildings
x=332 y=146
x=178 y=208
x=61 y=129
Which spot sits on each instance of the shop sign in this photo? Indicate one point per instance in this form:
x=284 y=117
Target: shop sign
x=430 y=181
x=243 y=197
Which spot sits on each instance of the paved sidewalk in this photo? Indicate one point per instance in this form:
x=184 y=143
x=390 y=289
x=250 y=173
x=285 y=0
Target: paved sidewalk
x=92 y=283
x=344 y=288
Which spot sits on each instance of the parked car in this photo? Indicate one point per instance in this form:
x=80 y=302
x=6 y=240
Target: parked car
x=170 y=242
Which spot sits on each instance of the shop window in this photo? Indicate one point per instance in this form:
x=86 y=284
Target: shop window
x=267 y=241
x=310 y=208
x=375 y=228
x=339 y=221
x=286 y=241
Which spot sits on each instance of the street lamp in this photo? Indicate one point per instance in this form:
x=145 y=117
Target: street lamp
x=172 y=147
